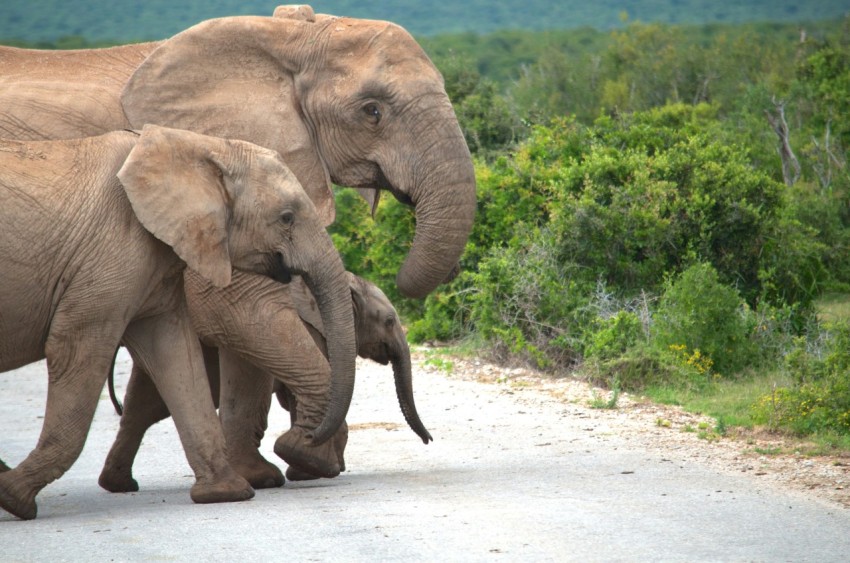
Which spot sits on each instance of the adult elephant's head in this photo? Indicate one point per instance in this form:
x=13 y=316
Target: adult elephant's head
x=354 y=102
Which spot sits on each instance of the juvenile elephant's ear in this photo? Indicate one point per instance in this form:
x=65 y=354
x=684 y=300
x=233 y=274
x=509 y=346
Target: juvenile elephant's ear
x=359 y=291
x=175 y=185
x=235 y=78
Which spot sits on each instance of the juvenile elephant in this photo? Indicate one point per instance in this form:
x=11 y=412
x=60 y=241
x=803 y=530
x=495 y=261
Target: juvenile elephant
x=273 y=354
x=95 y=235
x=349 y=101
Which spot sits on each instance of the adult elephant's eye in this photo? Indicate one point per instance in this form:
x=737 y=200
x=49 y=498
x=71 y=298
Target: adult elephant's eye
x=373 y=112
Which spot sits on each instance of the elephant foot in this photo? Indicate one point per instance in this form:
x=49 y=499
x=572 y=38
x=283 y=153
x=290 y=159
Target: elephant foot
x=14 y=501
x=339 y=442
x=115 y=480
x=259 y=472
x=295 y=449
x=232 y=488
x=295 y=474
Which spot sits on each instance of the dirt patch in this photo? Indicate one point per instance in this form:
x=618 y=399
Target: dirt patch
x=771 y=458
x=374 y=426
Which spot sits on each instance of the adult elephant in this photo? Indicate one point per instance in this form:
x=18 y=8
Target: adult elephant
x=349 y=101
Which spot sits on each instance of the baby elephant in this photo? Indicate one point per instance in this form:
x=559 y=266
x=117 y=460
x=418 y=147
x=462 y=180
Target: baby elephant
x=276 y=352
x=380 y=337
x=95 y=235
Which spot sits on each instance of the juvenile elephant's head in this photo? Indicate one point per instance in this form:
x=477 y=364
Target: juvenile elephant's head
x=355 y=102
x=223 y=204
x=380 y=337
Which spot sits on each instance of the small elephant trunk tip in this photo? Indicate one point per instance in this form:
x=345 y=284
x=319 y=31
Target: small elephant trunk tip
x=420 y=429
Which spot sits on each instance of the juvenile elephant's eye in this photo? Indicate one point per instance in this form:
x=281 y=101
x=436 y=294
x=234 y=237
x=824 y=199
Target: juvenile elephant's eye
x=287 y=217
x=373 y=112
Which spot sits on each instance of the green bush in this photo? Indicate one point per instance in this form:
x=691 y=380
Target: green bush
x=615 y=335
x=704 y=322
x=819 y=400
x=656 y=191
x=375 y=248
x=530 y=304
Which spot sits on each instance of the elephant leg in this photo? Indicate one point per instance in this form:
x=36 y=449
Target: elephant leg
x=267 y=333
x=78 y=362
x=143 y=407
x=340 y=439
x=305 y=374
x=167 y=348
x=244 y=419
x=245 y=402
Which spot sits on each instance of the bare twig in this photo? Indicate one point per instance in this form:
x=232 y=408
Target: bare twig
x=790 y=164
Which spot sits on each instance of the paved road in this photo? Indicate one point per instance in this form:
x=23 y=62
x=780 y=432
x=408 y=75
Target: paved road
x=507 y=478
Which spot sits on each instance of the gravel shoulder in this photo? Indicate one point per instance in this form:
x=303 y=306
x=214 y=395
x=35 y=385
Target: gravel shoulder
x=668 y=429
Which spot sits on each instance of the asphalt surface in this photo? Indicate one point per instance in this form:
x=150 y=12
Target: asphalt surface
x=510 y=476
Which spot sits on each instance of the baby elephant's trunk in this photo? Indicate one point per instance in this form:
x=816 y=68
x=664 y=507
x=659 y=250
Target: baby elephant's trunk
x=402 y=373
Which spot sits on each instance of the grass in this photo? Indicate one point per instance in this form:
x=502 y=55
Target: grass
x=729 y=402
x=833 y=307
x=440 y=363
x=725 y=400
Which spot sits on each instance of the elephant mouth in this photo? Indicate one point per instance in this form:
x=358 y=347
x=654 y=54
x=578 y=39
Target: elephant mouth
x=381 y=183
x=403 y=198
x=379 y=352
x=280 y=271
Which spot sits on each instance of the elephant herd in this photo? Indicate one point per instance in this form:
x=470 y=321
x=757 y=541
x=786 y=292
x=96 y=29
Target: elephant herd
x=172 y=198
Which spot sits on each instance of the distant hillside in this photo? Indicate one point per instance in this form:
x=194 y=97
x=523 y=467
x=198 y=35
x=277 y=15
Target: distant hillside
x=128 y=20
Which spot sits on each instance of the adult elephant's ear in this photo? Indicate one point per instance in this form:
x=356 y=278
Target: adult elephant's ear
x=235 y=78
x=175 y=184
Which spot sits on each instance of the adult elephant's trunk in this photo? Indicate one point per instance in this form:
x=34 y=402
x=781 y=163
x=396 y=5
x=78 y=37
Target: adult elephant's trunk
x=444 y=198
x=402 y=372
x=329 y=285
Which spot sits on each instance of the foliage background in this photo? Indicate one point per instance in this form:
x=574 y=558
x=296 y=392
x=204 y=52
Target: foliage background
x=134 y=20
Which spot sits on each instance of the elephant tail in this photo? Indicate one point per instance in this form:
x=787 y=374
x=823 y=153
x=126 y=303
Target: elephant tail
x=110 y=384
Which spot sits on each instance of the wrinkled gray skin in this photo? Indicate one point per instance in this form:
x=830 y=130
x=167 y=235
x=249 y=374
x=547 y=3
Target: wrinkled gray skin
x=379 y=336
x=95 y=235
x=353 y=102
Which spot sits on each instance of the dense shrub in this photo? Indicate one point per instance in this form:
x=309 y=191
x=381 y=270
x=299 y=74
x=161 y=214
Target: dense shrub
x=615 y=335
x=701 y=320
x=819 y=399
x=529 y=303
x=657 y=191
x=630 y=203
